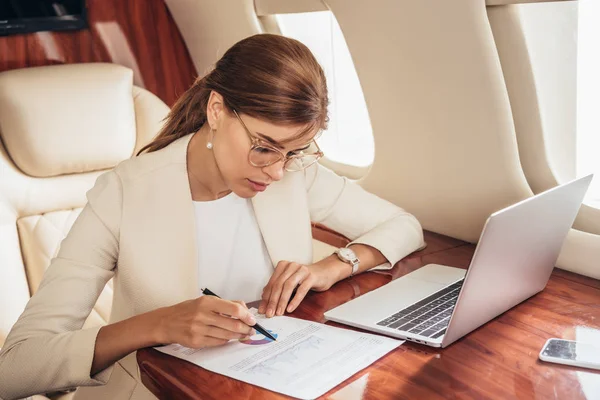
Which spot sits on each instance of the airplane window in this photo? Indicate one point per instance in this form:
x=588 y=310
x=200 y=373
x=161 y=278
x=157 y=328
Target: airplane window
x=561 y=39
x=588 y=97
x=349 y=139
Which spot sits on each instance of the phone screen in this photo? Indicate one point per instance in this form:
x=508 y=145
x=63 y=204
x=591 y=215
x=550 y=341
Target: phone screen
x=571 y=350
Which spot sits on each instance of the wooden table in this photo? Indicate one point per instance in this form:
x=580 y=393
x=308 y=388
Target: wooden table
x=496 y=361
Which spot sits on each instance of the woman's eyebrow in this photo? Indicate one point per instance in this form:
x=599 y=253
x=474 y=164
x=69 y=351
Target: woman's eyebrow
x=270 y=140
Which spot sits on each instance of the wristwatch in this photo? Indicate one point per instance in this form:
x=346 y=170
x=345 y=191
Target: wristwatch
x=348 y=256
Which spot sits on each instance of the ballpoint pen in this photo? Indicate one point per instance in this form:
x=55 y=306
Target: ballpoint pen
x=256 y=326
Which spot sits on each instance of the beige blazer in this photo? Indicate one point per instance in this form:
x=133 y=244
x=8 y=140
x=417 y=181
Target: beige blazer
x=139 y=227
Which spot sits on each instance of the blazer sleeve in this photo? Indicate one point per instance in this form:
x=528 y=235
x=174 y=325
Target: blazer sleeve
x=47 y=349
x=347 y=208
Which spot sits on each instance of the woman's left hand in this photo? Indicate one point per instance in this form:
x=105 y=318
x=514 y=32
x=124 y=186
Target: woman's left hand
x=289 y=275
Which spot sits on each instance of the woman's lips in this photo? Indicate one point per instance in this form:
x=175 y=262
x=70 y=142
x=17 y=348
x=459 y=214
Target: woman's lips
x=257 y=186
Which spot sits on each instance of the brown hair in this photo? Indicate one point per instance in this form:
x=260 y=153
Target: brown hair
x=265 y=76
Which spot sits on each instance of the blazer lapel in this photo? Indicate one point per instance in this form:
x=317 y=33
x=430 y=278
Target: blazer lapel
x=284 y=220
x=173 y=248
x=184 y=224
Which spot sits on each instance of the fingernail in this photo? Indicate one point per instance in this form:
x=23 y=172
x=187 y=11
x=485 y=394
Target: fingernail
x=252 y=319
x=290 y=309
x=253 y=332
x=270 y=312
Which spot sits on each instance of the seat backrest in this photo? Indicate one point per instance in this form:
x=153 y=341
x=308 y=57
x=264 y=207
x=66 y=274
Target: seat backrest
x=60 y=127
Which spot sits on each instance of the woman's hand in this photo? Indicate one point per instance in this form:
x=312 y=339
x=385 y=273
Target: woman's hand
x=289 y=276
x=204 y=322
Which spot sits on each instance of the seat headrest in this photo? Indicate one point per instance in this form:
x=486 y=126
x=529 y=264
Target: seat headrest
x=66 y=119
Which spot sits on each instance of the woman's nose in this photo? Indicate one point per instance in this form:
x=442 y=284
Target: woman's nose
x=275 y=171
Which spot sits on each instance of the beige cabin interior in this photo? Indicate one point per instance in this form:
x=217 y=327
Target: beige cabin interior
x=464 y=99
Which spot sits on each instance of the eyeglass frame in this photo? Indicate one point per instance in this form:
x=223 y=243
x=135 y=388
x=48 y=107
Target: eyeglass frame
x=257 y=142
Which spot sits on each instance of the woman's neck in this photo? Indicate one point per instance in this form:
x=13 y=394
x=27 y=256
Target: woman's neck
x=206 y=181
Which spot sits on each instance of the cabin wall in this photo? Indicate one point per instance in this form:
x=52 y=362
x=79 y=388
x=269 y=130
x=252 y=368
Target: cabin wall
x=445 y=145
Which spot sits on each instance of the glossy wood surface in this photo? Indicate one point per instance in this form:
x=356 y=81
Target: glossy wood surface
x=497 y=361
x=139 y=34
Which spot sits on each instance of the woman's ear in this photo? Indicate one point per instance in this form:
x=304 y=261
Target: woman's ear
x=214 y=110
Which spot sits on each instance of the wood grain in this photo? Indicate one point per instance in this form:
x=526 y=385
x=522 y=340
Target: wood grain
x=497 y=361
x=139 y=34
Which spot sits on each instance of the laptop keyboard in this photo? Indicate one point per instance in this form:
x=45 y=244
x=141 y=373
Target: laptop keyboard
x=428 y=317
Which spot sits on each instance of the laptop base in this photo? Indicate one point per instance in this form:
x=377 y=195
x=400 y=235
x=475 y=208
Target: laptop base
x=368 y=310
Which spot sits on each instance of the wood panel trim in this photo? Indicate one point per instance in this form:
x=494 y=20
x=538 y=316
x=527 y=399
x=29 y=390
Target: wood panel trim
x=138 y=34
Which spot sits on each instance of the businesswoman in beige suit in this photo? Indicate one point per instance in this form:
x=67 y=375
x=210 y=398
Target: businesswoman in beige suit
x=223 y=198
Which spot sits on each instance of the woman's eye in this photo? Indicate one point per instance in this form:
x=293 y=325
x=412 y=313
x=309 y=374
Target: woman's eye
x=297 y=152
x=263 y=150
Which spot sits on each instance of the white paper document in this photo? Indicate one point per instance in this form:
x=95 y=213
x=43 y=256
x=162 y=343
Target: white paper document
x=307 y=360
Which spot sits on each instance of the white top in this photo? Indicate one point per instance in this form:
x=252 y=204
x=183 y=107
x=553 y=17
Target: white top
x=232 y=258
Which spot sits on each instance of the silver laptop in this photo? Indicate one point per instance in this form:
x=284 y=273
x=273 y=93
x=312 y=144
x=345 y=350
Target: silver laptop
x=437 y=305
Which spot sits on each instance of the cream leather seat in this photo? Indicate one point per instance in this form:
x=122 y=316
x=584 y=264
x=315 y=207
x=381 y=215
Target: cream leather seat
x=60 y=127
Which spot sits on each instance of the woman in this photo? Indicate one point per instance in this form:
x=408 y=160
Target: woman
x=190 y=212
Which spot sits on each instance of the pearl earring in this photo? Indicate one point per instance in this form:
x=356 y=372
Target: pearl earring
x=209 y=144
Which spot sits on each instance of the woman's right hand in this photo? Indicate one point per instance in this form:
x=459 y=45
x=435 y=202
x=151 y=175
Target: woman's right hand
x=204 y=322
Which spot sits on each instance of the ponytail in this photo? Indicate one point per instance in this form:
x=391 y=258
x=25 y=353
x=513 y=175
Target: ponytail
x=187 y=116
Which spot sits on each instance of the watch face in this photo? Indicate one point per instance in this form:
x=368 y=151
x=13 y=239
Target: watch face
x=347 y=253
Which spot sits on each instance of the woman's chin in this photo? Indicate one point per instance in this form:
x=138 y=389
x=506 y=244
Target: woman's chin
x=244 y=192
x=247 y=195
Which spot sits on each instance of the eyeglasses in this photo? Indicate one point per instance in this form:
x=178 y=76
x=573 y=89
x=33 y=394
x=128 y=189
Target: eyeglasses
x=263 y=155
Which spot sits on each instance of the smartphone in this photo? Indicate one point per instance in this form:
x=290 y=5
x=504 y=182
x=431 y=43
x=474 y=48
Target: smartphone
x=571 y=352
